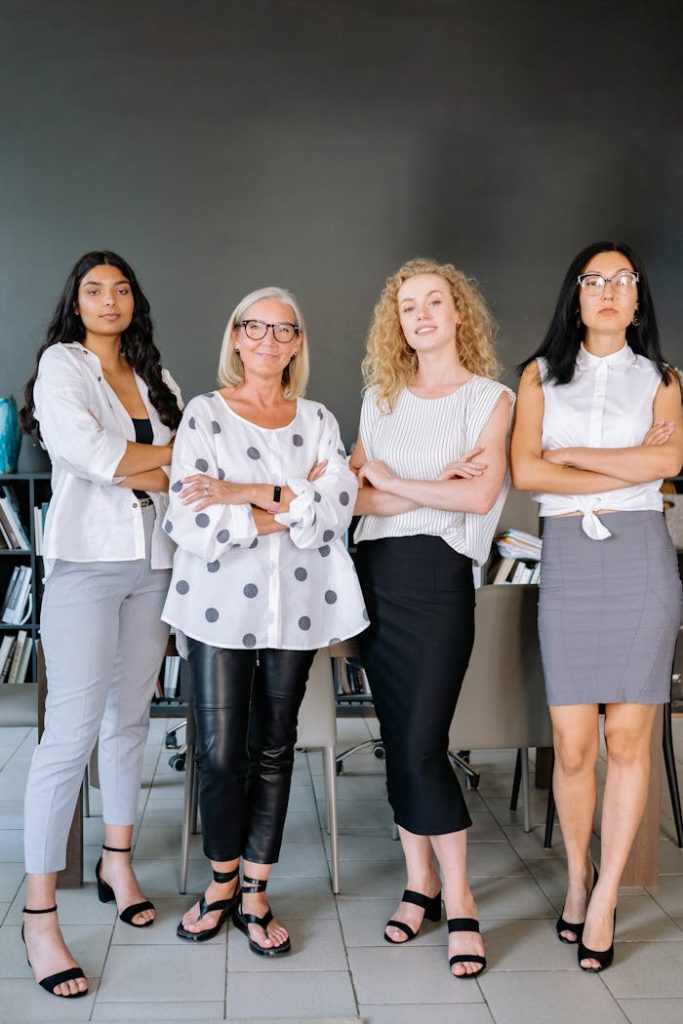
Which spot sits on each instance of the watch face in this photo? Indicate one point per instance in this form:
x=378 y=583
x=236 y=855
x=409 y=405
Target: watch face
x=277 y=491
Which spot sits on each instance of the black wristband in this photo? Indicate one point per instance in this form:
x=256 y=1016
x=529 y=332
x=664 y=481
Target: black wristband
x=277 y=492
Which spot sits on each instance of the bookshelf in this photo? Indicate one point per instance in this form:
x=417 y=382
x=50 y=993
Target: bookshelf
x=31 y=490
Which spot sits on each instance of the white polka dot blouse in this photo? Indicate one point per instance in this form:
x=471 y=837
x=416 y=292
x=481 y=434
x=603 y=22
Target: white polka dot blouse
x=231 y=588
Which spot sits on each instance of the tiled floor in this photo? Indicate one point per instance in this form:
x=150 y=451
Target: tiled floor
x=341 y=970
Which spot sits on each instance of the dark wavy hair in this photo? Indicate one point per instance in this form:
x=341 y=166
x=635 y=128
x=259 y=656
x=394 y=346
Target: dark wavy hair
x=563 y=338
x=137 y=341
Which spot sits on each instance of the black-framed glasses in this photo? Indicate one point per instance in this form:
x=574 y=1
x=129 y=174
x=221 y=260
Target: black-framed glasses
x=256 y=330
x=623 y=282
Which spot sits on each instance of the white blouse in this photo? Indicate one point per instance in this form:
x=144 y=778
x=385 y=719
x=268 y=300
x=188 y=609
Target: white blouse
x=607 y=404
x=416 y=440
x=85 y=429
x=231 y=588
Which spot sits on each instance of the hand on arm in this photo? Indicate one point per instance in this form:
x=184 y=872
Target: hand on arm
x=369 y=500
x=471 y=484
x=660 y=453
x=531 y=471
x=201 y=491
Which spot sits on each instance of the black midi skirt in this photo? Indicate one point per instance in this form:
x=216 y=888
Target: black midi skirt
x=419 y=594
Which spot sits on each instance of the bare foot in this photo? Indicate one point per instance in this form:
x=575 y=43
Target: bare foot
x=410 y=913
x=462 y=943
x=215 y=891
x=116 y=871
x=48 y=954
x=274 y=933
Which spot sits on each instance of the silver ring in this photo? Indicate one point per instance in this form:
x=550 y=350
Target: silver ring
x=206 y=487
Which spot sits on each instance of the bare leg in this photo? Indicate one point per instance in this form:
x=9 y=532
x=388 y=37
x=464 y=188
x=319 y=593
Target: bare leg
x=422 y=876
x=117 y=871
x=45 y=944
x=451 y=853
x=257 y=903
x=575 y=737
x=627 y=736
x=214 y=891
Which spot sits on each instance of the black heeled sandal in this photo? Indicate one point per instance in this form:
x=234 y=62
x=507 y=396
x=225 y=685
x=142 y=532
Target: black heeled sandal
x=106 y=894
x=603 y=956
x=52 y=980
x=225 y=907
x=465 y=924
x=242 y=920
x=432 y=912
x=566 y=926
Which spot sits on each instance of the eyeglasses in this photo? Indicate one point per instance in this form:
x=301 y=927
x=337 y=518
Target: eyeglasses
x=283 y=333
x=622 y=282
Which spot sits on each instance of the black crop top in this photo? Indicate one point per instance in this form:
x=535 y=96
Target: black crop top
x=143 y=435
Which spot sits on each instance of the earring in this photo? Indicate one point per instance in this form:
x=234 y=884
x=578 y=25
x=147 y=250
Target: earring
x=635 y=319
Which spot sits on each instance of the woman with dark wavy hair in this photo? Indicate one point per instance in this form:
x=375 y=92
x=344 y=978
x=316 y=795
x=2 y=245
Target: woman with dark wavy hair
x=598 y=426
x=106 y=412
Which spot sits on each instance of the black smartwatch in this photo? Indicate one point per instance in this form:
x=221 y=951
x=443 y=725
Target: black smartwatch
x=277 y=492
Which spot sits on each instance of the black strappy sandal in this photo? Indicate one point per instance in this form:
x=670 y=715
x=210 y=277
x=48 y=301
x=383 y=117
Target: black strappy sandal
x=225 y=907
x=52 y=980
x=465 y=924
x=432 y=912
x=566 y=926
x=242 y=920
x=106 y=893
x=604 y=957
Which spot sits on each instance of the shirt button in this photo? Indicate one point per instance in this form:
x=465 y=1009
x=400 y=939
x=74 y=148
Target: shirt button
x=99 y=378
x=135 y=504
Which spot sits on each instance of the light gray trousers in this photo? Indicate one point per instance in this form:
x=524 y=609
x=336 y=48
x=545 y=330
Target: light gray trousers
x=104 y=642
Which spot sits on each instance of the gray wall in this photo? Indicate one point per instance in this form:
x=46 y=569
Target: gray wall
x=222 y=146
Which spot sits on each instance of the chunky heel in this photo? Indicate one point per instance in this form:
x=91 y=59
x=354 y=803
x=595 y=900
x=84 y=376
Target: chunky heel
x=225 y=906
x=106 y=894
x=52 y=980
x=432 y=912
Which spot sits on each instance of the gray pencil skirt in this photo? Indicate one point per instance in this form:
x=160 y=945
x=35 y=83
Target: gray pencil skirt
x=609 y=610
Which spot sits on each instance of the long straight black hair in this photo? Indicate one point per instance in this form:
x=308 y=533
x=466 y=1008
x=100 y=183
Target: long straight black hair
x=565 y=333
x=137 y=341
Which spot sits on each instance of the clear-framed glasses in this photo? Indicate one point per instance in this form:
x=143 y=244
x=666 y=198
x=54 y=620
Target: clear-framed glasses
x=623 y=282
x=256 y=330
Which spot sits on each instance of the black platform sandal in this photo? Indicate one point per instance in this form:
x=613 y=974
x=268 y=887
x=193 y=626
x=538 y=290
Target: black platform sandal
x=603 y=956
x=106 y=893
x=432 y=912
x=52 y=980
x=225 y=907
x=566 y=926
x=465 y=924
x=242 y=920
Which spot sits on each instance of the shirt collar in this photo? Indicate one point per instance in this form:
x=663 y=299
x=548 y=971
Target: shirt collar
x=619 y=360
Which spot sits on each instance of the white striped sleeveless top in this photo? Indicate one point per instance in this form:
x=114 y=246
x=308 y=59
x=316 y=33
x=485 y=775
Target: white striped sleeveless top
x=416 y=440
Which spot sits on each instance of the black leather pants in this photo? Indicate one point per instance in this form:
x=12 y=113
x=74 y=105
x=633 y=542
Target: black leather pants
x=246 y=708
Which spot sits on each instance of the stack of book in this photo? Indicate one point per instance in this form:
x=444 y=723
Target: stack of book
x=16 y=606
x=15 y=652
x=352 y=678
x=519 y=561
x=12 y=533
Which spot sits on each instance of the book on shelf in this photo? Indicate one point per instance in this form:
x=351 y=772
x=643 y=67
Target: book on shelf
x=20 y=657
x=352 y=679
x=17 y=604
x=518 y=544
x=515 y=570
x=9 y=512
x=39 y=517
x=171 y=675
x=6 y=649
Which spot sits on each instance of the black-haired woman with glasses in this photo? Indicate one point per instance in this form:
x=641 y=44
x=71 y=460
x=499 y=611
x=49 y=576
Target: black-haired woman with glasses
x=598 y=426
x=260 y=499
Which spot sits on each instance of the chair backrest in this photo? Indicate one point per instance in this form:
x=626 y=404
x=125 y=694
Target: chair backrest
x=317 y=715
x=502 y=702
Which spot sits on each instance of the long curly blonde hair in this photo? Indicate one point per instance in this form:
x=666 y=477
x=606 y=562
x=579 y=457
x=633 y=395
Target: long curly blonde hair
x=390 y=363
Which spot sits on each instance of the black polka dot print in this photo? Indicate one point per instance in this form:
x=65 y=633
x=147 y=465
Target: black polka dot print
x=213 y=566
x=168 y=526
x=250 y=590
x=300 y=574
x=328 y=535
x=253 y=453
x=304 y=623
x=177 y=487
x=324 y=551
x=202 y=465
x=191 y=423
x=330 y=596
x=297 y=440
x=202 y=520
x=223 y=536
x=215 y=426
x=182 y=587
x=211 y=614
x=344 y=498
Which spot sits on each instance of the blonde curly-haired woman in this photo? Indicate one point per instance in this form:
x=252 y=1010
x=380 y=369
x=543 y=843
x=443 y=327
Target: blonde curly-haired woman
x=431 y=462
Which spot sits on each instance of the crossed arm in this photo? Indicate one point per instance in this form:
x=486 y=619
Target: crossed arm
x=592 y=470
x=471 y=484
